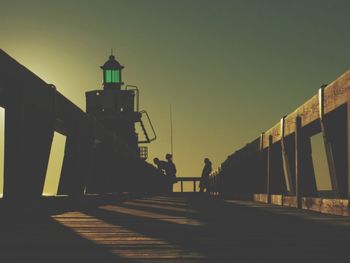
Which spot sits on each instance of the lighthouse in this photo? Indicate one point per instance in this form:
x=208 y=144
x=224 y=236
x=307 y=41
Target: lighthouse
x=112 y=74
x=116 y=107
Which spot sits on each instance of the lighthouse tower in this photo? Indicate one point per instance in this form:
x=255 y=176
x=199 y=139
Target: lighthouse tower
x=117 y=108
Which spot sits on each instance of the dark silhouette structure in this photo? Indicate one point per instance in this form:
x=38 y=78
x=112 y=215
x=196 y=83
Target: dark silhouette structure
x=117 y=110
x=100 y=155
x=102 y=152
x=116 y=207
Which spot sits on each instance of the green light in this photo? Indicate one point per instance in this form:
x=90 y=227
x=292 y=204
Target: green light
x=112 y=76
x=115 y=76
x=108 y=76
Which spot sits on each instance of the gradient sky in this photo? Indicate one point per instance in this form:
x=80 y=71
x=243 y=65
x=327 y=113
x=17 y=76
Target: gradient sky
x=231 y=69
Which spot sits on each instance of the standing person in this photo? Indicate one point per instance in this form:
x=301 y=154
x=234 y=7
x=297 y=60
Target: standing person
x=205 y=175
x=161 y=165
x=170 y=169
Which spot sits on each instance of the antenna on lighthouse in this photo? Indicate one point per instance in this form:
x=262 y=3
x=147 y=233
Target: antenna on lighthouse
x=171 y=132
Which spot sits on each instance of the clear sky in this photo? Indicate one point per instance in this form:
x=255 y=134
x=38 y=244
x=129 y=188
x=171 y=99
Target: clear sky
x=231 y=69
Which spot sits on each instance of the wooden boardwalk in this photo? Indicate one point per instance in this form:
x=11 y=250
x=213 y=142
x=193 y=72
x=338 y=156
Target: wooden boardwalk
x=177 y=228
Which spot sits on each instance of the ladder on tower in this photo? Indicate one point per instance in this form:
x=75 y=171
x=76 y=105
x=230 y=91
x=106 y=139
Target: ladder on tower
x=147 y=137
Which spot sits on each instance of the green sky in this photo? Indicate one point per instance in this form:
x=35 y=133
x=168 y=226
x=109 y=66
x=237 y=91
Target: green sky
x=231 y=69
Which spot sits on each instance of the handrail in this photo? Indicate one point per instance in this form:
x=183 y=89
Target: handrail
x=154 y=132
x=187 y=179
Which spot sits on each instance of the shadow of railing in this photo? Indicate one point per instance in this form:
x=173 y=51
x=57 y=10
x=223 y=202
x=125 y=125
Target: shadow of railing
x=229 y=231
x=40 y=238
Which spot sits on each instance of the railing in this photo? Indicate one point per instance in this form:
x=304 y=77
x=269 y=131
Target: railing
x=279 y=166
x=143 y=152
x=188 y=179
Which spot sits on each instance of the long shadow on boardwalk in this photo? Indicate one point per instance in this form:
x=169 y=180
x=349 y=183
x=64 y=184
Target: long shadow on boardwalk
x=25 y=237
x=175 y=229
x=234 y=232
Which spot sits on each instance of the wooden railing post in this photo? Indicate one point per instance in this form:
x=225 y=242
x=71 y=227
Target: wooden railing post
x=285 y=160
x=194 y=186
x=327 y=144
x=298 y=165
x=182 y=186
x=269 y=169
x=348 y=142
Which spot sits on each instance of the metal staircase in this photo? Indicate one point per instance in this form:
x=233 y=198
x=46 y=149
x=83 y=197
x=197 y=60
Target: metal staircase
x=147 y=138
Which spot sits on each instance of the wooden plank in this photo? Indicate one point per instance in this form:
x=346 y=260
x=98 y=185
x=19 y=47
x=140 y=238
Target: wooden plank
x=229 y=231
x=277 y=199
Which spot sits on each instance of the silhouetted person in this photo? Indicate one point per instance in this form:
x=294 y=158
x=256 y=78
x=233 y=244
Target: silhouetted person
x=160 y=164
x=205 y=175
x=167 y=167
x=170 y=169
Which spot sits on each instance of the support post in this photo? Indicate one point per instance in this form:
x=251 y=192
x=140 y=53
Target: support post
x=182 y=186
x=298 y=167
x=327 y=144
x=269 y=169
x=76 y=164
x=285 y=160
x=348 y=143
x=28 y=137
x=194 y=186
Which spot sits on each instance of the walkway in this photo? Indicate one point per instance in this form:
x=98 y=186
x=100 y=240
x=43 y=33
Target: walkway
x=177 y=228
